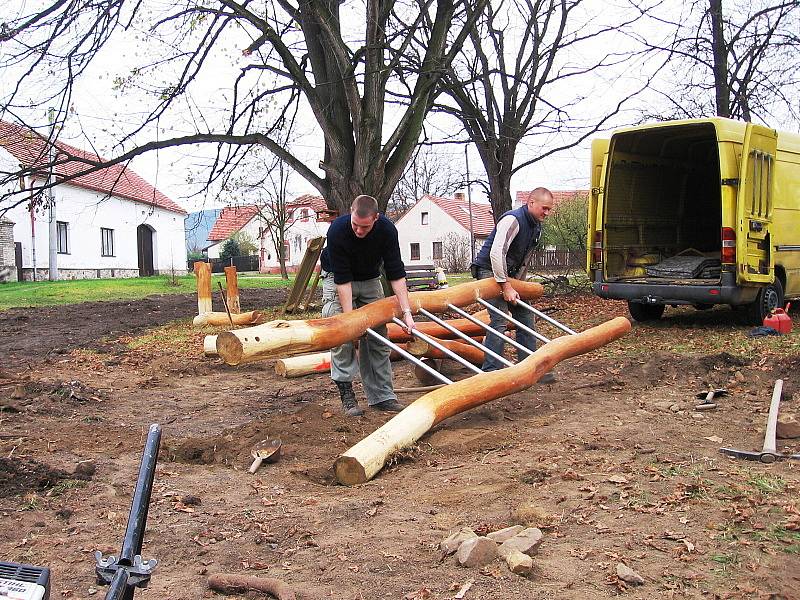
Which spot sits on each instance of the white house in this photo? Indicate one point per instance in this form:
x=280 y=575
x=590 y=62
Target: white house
x=435 y=227
x=306 y=219
x=110 y=223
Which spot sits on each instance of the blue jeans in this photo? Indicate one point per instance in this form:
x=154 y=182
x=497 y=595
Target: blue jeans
x=494 y=342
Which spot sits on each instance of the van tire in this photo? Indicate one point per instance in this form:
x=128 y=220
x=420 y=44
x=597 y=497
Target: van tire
x=645 y=312
x=769 y=297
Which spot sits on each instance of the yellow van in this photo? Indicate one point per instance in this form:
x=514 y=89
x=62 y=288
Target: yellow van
x=700 y=212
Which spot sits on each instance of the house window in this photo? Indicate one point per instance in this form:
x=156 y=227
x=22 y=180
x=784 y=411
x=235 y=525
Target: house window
x=414 y=251
x=424 y=218
x=286 y=251
x=106 y=242
x=437 y=250
x=62 y=233
x=304 y=215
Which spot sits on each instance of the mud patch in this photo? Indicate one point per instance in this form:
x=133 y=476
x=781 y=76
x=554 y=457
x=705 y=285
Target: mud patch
x=21 y=475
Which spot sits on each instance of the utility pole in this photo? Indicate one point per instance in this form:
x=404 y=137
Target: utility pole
x=53 y=256
x=469 y=204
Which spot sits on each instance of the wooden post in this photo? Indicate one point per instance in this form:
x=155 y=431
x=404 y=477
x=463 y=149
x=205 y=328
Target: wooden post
x=232 y=283
x=287 y=338
x=221 y=319
x=361 y=462
x=202 y=271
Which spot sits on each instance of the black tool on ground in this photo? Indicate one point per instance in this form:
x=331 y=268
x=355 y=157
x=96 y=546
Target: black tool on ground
x=225 y=302
x=707 y=398
x=24 y=582
x=124 y=574
x=769 y=452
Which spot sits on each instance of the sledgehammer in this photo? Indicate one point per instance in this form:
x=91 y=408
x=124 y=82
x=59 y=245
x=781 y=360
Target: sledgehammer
x=769 y=453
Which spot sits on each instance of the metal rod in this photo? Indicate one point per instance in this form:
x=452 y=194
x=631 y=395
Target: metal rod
x=543 y=316
x=465 y=337
x=440 y=347
x=118 y=588
x=511 y=319
x=469 y=317
x=134 y=534
x=405 y=354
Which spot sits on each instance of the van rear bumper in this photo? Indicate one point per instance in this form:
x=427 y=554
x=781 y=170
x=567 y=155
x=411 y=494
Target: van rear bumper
x=724 y=292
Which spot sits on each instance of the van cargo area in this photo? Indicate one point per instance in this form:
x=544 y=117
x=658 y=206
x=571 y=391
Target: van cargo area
x=663 y=216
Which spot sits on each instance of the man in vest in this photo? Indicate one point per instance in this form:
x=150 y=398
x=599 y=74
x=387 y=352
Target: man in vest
x=505 y=254
x=358 y=244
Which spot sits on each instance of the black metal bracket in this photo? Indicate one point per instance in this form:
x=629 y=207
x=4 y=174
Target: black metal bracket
x=138 y=574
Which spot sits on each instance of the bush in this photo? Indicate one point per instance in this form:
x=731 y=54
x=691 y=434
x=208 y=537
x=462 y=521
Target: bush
x=230 y=249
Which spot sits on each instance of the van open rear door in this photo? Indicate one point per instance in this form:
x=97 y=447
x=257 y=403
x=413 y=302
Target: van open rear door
x=754 y=254
x=597 y=176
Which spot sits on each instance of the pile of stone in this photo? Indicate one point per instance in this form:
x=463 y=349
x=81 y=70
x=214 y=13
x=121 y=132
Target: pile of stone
x=516 y=545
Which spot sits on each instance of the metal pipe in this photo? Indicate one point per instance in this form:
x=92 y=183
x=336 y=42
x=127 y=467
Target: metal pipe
x=407 y=355
x=118 y=588
x=543 y=316
x=134 y=534
x=465 y=337
x=441 y=348
x=511 y=319
x=469 y=317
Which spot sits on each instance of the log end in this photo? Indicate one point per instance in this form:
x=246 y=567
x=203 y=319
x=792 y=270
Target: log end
x=229 y=348
x=280 y=368
x=349 y=471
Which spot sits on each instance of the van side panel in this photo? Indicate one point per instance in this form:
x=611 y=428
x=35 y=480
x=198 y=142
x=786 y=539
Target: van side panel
x=595 y=210
x=786 y=218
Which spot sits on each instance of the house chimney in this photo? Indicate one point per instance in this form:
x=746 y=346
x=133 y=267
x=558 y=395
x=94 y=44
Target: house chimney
x=459 y=196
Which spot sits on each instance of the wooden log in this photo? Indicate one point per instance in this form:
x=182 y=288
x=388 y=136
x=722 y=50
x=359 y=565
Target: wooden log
x=309 y=364
x=361 y=462
x=288 y=338
x=202 y=271
x=220 y=319
x=210 y=346
x=232 y=284
x=467 y=351
x=236 y=583
x=398 y=334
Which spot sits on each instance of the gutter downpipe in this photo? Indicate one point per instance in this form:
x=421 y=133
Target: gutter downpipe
x=53 y=230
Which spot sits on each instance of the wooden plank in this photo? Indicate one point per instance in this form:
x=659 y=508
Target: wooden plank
x=307 y=266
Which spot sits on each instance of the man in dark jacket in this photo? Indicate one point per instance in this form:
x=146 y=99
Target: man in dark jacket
x=358 y=244
x=505 y=254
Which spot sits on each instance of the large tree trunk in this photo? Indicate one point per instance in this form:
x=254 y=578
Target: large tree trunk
x=257 y=343
x=361 y=462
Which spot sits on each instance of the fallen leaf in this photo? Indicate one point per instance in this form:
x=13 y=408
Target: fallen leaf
x=617 y=479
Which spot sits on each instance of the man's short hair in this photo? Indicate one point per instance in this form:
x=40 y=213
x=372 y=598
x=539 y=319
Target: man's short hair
x=540 y=193
x=365 y=206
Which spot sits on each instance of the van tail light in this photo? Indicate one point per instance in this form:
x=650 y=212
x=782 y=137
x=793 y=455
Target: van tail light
x=728 y=245
x=597 y=247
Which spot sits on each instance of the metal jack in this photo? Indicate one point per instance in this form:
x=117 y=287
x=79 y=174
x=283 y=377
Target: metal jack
x=769 y=453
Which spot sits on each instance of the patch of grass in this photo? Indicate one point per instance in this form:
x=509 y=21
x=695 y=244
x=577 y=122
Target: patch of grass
x=63 y=486
x=784 y=540
x=767 y=484
x=50 y=293
x=726 y=562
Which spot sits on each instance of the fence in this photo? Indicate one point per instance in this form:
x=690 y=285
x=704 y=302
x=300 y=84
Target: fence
x=242 y=263
x=557 y=260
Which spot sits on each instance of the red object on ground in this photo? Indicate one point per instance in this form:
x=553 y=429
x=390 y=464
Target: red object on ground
x=779 y=320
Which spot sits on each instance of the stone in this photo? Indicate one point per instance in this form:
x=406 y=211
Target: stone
x=788 y=427
x=451 y=543
x=526 y=541
x=519 y=563
x=628 y=575
x=476 y=552
x=85 y=469
x=502 y=535
x=663 y=406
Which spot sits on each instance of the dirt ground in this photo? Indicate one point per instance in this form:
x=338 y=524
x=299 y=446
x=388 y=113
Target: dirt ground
x=611 y=462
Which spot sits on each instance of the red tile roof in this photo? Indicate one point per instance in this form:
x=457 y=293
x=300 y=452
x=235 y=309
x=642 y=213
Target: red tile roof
x=231 y=220
x=458 y=208
x=558 y=195
x=30 y=149
x=317 y=203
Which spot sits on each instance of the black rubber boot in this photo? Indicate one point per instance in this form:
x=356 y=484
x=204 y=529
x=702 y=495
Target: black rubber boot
x=349 y=403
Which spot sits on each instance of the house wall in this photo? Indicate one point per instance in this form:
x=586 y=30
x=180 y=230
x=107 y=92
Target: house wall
x=85 y=213
x=411 y=230
x=8 y=269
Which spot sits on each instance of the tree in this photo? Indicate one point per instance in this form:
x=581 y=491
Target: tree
x=230 y=248
x=512 y=83
x=427 y=173
x=736 y=59
x=567 y=225
x=455 y=253
x=247 y=247
x=296 y=54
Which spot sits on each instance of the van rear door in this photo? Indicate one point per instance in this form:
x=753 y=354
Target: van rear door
x=597 y=176
x=754 y=205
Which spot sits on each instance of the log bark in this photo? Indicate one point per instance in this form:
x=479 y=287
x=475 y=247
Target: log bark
x=202 y=271
x=288 y=338
x=235 y=583
x=220 y=319
x=232 y=284
x=361 y=462
x=467 y=351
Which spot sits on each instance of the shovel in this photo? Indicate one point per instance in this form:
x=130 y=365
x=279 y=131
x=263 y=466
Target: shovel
x=265 y=450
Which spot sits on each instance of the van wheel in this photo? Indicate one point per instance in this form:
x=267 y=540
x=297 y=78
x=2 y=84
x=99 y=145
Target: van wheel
x=703 y=306
x=645 y=312
x=769 y=297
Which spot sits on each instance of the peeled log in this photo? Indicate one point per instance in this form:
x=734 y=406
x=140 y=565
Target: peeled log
x=465 y=350
x=305 y=364
x=286 y=338
x=202 y=271
x=232 y=283
x=361 y=462
x=398 y=334
x=221 y=319
x=210 y=346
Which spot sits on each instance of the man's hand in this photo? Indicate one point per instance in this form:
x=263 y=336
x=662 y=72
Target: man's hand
x=408 y=319
x=510 y=295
